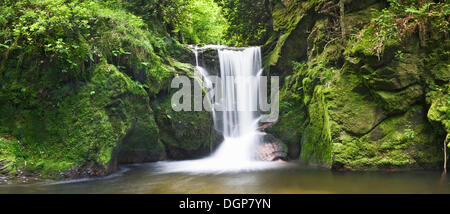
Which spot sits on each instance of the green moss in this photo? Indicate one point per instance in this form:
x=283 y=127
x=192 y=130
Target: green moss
x=286 y=15
x=357 y=98
x=316 y=139
x=8 y=148
x=369 y=44
x=291 y=19
x=352 y=106
x=398 y=74
x=291 y=122
x=439 y=111
x=86 y=126
x=400 y=141
x=402 y=100
x=437 y=62
x=271 y=59
x=75 y=85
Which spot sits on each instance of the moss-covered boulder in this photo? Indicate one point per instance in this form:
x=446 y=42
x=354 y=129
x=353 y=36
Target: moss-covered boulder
x=401 y=141
x=352 y=106
x=400 y=101
x=87 y=131
x=185 y=134
x=398 y=74
x=7 y=157
x=290 y=124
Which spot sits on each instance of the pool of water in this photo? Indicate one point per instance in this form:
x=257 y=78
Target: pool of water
x=291 y=178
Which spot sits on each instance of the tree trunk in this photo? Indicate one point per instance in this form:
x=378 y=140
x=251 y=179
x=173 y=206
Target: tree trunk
x=342 y=16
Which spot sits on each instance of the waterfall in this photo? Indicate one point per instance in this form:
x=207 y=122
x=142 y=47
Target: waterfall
x=238 y=119
x=235 y=113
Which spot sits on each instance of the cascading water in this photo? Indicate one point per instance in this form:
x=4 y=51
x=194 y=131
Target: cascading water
x=238 y=119
x=235 y=114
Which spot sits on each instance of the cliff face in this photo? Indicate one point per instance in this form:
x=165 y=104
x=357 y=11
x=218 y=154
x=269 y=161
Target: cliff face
x=352 y=97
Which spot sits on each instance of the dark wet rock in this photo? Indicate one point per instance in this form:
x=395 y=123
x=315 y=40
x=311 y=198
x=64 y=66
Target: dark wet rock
x=209 y=59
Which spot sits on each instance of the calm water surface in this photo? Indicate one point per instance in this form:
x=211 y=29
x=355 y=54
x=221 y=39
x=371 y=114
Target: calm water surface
x=147 y=178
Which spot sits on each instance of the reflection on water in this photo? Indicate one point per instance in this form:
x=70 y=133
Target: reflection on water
x=215 y=165
x=146 y=178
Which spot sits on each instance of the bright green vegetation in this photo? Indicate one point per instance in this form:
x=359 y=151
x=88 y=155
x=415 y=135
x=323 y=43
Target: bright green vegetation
x=206 y=24
x=84 y=84
x=190 y=21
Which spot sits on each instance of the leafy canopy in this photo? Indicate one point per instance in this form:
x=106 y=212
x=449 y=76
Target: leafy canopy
x=250 y=21
x=191 y=21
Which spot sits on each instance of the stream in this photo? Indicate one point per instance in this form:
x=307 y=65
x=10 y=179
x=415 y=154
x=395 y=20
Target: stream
x=290 y=178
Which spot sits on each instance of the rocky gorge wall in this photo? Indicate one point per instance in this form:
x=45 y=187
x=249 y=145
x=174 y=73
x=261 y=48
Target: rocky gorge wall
x=346 y=105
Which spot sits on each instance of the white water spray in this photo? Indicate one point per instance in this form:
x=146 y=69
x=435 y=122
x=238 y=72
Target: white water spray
x=238 y=118
x=238 y=123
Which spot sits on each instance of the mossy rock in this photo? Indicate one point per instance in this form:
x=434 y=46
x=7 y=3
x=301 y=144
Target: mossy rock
x=185 y=134
x=7 y=157
x=404 y=141
x=316 y=138
x=352 y=106
x=402 y=100
x=292 y=22
x=399 y=74
x=439 y=111
x=209 y=59
x=141 y=143
x=81 y=134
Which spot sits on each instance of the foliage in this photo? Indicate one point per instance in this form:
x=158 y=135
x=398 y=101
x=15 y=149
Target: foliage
x=250 y=21
x=191 y=21
x=205 y=25
x=72 y=34
x=399 y=21
x=169 y=13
